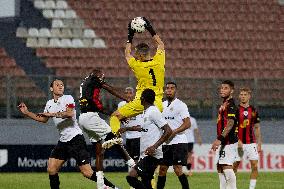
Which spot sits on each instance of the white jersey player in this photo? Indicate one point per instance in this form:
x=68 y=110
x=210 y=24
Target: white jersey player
x=155 y=131
x=175 y=149
x=71 y=142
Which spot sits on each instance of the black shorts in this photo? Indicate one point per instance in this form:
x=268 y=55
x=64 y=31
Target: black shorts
x=175 y=154
x=133 y=147
x=75 y=148
x=190 y=147
x=146 y=167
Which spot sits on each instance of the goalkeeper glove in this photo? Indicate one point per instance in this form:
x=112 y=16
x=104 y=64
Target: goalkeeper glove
x=131 y=33
x=149 y=27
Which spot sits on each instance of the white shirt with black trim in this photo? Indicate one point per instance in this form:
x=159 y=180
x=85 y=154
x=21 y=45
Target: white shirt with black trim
x=133 y=121
x=190 y=131
x=174 y=113
x=153 y=122
x=67 y=127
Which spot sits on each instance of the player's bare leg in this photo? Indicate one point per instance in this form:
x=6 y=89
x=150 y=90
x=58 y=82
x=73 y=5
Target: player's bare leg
x=189 y=163
x=254 y=173
x=53 y=167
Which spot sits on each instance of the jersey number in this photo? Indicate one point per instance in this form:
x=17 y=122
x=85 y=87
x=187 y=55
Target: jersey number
x=151 y=72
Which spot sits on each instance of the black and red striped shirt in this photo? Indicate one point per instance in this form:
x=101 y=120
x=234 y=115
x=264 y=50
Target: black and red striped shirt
x=228 y=110
x=247 y=119
x=90 y=95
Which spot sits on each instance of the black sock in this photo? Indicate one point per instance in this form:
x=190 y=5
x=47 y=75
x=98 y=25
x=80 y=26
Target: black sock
x=188 y=166
x=106 y=182
x=161 y=182
x=184 y=182
x=135 y=183
x=54 y=181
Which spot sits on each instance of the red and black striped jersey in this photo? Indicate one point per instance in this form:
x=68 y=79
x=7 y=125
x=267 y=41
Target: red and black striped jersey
x=228 y=110
x=247 y=118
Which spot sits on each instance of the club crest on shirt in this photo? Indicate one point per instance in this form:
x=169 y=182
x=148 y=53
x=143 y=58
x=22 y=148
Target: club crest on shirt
x=171 y=108
x=245 y=113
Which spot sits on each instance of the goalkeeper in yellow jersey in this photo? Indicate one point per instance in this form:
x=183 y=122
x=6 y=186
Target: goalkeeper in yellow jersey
x=149 y=72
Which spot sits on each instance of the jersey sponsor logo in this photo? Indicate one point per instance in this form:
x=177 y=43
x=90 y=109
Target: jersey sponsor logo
x=245 y=123
x=3 y=157
x=171 y=118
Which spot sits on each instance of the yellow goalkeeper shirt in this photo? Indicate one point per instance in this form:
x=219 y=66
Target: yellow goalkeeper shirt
x=149 y=74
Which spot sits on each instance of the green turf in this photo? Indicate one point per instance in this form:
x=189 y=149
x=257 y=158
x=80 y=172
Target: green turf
x=77 y=181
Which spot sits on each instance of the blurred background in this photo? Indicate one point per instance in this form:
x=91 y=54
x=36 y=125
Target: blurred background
x=206 y=42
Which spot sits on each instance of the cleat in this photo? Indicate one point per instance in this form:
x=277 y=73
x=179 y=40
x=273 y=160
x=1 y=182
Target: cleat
x=109 y=143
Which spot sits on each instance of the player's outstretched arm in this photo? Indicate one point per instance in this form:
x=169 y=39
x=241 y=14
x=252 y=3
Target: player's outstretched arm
x=155 y=36
x=24 y=109
x=69 y=113
x=114 y=92
x=130 y=36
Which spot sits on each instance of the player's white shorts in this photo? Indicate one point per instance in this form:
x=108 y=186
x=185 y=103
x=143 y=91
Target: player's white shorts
x=94 y=126
x=250 y=151
x=226 y=155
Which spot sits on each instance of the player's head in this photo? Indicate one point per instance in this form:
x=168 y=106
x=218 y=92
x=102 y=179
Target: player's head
x=147 y=97
x=226 y=89
x=129 y=93
x=245 y=95
x=57 y=87
x=98 y=74
x=142 y=52
x=171 y=90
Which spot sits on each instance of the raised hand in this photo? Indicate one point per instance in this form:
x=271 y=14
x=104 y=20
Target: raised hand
x=23 y=108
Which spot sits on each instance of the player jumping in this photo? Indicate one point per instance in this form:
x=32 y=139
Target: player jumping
x=149 y=72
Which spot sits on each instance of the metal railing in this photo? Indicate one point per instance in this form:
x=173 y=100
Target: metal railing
x=201 y=95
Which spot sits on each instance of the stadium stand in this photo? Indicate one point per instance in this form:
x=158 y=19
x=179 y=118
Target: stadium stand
x=205 y=41
x=14 y=81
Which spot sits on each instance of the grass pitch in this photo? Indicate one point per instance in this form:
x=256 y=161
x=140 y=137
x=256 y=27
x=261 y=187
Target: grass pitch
x=77 y=181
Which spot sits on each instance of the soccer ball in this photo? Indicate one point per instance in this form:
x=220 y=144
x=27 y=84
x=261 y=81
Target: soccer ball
x=138 y=24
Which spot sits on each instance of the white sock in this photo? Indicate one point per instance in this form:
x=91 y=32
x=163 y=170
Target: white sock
x=130 y=163
x=100 y=180
x=230 y=178
x=252 y=183
x=222 y=181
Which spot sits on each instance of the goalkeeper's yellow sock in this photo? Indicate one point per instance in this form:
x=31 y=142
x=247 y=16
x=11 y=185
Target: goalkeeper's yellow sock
x=114 y=124
x=155 y=179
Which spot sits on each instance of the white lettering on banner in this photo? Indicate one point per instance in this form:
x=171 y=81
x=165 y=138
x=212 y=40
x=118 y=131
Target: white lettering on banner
x=25 y=162
x=3 y=157
x=271 y=159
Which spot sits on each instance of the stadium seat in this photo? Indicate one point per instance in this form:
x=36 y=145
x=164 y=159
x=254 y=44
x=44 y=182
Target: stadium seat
x=44 y=32
x=48 y=13
x=77 y=43
x=89 y=33
x=61 y=5
x=57 y=23
x=54 y=42
x=32 y=42
x=22 y=32
x=49 y=5
x=39 y=4
x=70 y=14
x=33 y=32
x=59 y=13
